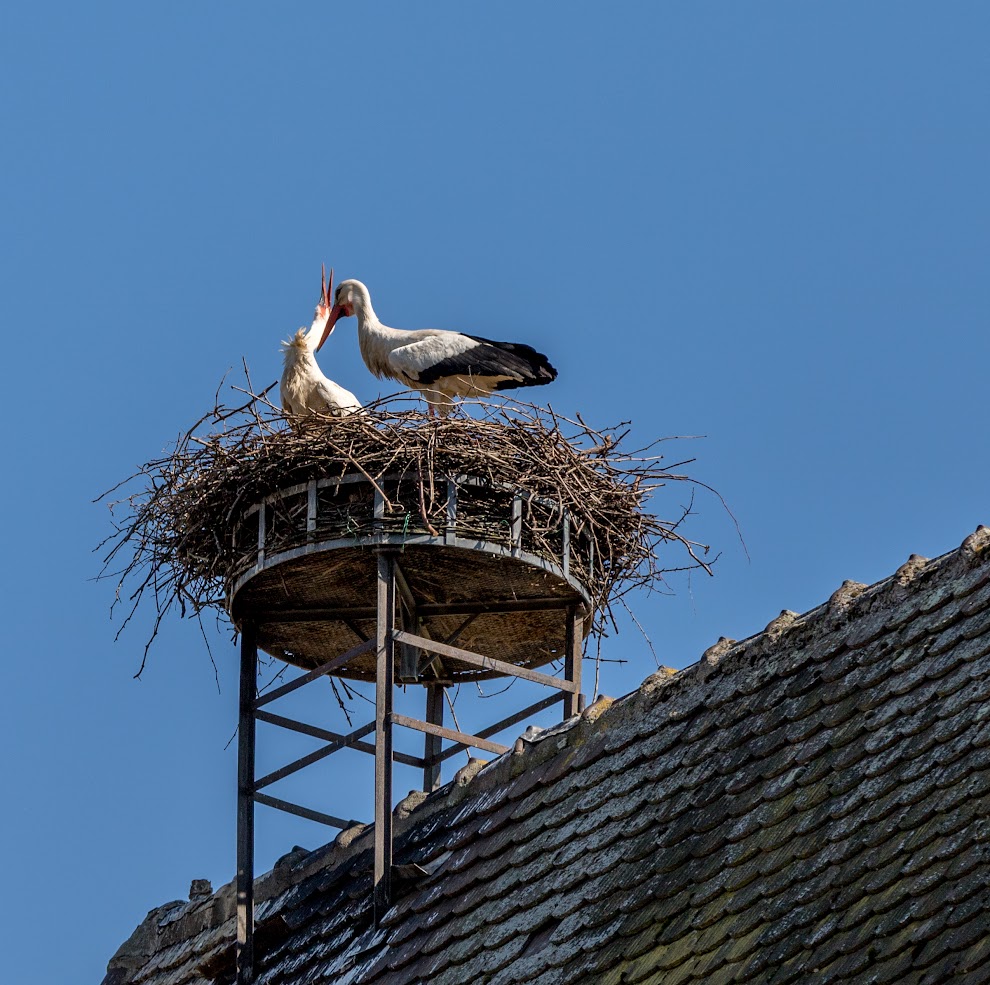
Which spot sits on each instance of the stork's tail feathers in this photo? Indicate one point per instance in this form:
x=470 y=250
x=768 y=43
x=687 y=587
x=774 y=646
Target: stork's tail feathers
x=526 y=366
x=538 y=368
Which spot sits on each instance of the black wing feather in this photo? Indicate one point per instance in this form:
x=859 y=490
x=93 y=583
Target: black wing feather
x=490 y=358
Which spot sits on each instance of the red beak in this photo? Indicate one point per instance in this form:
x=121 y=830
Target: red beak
x=335 y=312
x=325 y=288
x=325 y=291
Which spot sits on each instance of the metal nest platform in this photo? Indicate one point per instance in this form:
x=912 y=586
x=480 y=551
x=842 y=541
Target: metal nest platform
x=485 y=579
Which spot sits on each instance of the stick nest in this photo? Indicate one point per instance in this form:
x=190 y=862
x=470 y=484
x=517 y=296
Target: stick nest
x=178 y=538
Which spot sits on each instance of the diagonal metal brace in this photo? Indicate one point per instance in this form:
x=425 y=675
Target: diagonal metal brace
x=471 y=741
x=485 y=663
x=314 y=757
x=328 y=668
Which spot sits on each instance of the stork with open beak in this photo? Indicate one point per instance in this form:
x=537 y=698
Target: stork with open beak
x=304 y=389
x=440 y=365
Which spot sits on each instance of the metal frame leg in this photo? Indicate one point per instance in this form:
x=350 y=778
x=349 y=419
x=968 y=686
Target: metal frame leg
x=574 y=700
x=384 y=689
x=245 y=806
x=434 y=743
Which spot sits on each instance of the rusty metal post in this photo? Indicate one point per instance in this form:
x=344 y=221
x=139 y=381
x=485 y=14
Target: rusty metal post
x=245 y=806
x=384 y=688
x=434 y=743
x=574 y=700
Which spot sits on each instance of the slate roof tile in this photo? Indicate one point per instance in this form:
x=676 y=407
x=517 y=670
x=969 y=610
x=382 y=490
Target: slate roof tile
x=965 y=865
x=968 y=912
x=975 y=956
x=723 y=965
x=847 y=966
x=973 y=651
x=678 y=975
x=956 y=939
x=890 y=971
x=773 y=958
x=978 y=974
x=808 y=795
x=773 y=837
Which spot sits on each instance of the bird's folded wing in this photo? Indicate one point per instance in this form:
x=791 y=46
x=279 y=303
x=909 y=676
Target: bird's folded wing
x=336 y=397
x=452 y=354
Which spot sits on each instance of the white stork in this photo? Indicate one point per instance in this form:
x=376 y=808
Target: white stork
x=440 y=365
x=304 y=389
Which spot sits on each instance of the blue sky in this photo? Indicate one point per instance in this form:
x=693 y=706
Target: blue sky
x=768 y=224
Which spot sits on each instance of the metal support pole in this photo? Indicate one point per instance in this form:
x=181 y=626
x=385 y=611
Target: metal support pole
x=383 y=733
x=515 y=526
x=312 y=507
x=434 y=743
x=408 y=655
x=450 y=531
x=574 y=700
x=245 y=806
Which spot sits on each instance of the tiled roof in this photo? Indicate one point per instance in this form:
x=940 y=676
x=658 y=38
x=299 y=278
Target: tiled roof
x=812 y=804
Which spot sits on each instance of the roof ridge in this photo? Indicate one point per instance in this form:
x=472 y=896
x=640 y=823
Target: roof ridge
x=851 y=600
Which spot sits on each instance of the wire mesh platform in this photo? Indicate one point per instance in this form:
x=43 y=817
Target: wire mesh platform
x=475 y=574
